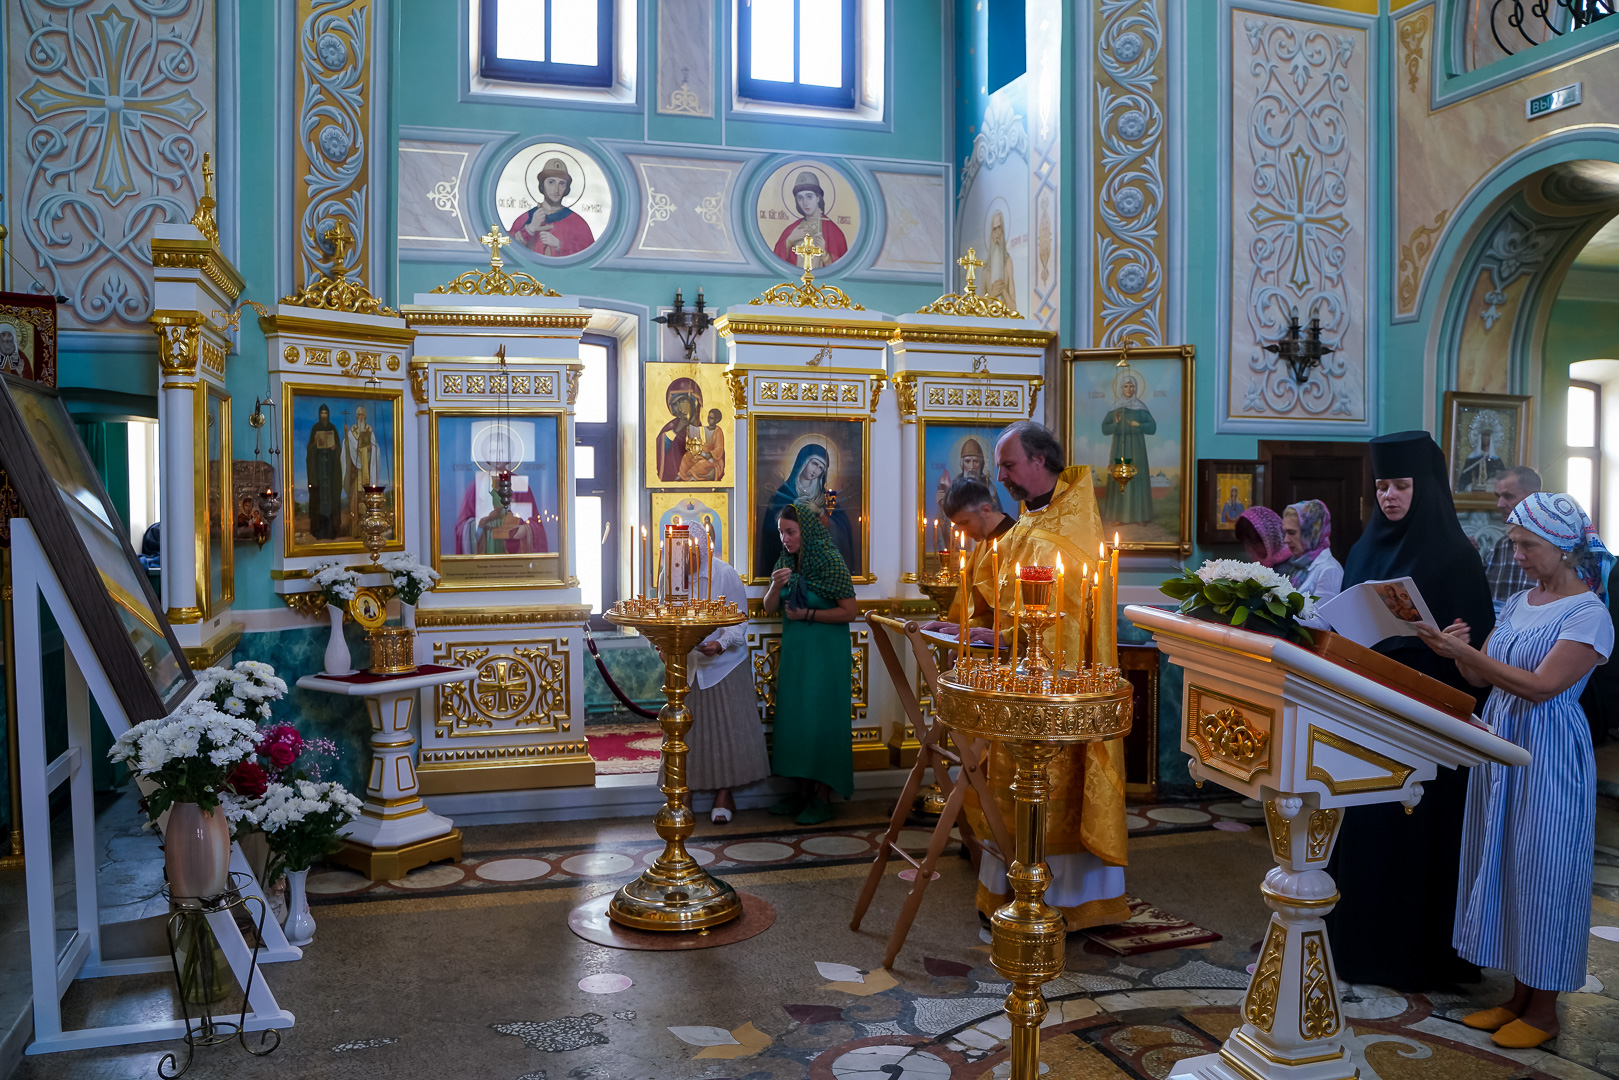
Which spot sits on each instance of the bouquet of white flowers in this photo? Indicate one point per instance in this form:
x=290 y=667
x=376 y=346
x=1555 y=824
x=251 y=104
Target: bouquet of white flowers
x=247 y=688
x=410 y=577
x=300 y=821
x=336 y=584
x=1243 y=594
x=188 y=754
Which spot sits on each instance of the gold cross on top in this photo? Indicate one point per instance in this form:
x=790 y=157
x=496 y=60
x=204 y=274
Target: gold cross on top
x=494 y=240
x=341 y=240
x=970 y=262
x=207 y=175
x=810 y=251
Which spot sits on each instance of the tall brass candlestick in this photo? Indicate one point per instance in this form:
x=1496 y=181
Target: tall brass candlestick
x=1059 y=602
x=995 y=576
x=1017 y=591
x=965 y=598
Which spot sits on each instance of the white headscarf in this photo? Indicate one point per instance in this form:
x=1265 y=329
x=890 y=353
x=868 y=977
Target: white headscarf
x=707 y=671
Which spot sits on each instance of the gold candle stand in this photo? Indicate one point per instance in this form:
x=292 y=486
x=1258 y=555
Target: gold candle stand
x=1036 y=714
x=675 y=893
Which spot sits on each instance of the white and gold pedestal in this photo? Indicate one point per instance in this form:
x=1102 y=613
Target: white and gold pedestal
x=395 y=831
x=1308 y=738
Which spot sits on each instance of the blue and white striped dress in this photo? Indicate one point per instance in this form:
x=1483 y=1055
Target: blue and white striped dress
x=1524 y=899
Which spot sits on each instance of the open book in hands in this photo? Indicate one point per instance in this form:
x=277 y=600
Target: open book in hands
x=1373 y=610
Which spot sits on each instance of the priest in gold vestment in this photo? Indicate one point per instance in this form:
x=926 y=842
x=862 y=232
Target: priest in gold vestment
x=1085 y=830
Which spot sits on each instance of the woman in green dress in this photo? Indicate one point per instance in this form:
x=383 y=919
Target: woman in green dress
x=810 y=586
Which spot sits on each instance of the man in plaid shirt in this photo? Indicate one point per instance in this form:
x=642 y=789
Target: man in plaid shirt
x=1505 y=576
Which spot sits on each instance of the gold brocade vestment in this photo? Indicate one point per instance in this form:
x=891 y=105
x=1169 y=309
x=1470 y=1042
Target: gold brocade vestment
x=1086 y=809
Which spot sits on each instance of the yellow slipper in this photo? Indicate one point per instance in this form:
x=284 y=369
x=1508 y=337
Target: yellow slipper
x=1520 y=1036
x=1490 y=1019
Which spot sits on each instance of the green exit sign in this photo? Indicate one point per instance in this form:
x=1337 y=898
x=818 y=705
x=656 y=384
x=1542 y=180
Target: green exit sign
x=1564 y=97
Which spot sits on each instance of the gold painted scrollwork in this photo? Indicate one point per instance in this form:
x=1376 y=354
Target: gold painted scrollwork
x=905 y=388
x=1281 y=832
x=1231 y=737
x=1414 y=257
x=523 y=686
x=1318 y=1012
x=1259 y=1007
x=418 y=384
x=1323 y=823
x=738 y=382
x=177 y=345
x=1413 y=34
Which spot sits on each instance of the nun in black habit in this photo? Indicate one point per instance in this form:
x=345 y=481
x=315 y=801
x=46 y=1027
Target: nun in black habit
x=1397 y=872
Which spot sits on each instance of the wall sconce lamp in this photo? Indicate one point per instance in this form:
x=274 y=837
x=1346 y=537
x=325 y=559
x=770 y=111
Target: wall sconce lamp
x=1301 y=351
x=688 y=325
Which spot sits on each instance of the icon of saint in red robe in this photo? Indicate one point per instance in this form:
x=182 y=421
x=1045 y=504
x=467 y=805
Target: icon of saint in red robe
x=550 y=228
x=812 y=221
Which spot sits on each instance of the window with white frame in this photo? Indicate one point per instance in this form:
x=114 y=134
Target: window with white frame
x=797 y=58
x=1584 y=439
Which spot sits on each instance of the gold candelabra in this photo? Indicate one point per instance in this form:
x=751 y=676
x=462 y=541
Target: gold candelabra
x=675 y=893
x=375 y=519
x=1036 y=708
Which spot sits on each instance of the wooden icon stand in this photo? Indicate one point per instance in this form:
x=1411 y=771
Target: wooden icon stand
x=968 y=759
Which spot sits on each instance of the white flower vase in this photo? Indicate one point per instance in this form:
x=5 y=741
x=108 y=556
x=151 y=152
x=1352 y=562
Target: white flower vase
x=407 y=614
x=300 y=924
x=337 y=649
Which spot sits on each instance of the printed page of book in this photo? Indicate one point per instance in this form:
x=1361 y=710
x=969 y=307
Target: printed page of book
x=1375 y=610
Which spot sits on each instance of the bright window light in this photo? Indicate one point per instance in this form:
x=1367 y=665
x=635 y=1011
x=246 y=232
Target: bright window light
x=820 y=45
x=772 y=40
x=584 y=462
x=573 y=33
x=587 y=541
x=521 y=25
x=1582 y=416
x=591 y=408
x=1579 y=481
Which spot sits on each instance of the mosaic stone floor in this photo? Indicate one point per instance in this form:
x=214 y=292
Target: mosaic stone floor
x=487 y=982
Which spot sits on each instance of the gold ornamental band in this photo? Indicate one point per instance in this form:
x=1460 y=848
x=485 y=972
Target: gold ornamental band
x=1276 y=1059
x=1053 y=718
x=1296 y=901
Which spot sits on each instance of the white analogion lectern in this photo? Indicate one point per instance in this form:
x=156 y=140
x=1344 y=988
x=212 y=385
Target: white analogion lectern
x=1306 y=736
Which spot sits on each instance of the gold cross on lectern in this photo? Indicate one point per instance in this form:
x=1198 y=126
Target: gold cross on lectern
x=494 y=240
x=810 y=251
x=970 y=262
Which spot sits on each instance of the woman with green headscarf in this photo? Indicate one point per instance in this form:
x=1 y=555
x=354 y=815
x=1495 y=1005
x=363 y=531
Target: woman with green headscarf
x=810 y=586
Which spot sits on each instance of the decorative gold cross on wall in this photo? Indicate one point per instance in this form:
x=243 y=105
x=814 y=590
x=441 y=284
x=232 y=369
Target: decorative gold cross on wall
x=494 y=240
x=971 y=262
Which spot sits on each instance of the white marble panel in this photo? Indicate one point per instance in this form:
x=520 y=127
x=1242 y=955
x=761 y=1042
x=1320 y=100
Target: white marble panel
x=915 y=205
x=109 y=114
x=686 y=57
x=1299 y=183
x=686 y=209
x=432 y=193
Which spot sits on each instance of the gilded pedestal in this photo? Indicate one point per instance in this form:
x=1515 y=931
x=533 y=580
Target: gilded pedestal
x=1035 y=717
x=675 y=893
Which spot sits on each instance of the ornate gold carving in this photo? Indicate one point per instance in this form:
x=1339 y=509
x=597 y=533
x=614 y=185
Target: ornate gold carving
x=393 y=363
x=290 y=354
x=738 y=382
x=1318 y=1000
x=1034 y=393
x=905 y=388
x=418 y=383
x=184 y=615
x=10 y=507
x=1413 y=34
x=1323 y=823
x=415 y=316
x=203 y=218
x=1414 y=258
x=307 y=604
x=573 y=386
x=449 y=384
x=177 y=344
x=1396 y=771
x=1223 y=733
x=877 y=382
x=1000 y=714
x=969 y=304
x=338 y=293
x=525 y=685
x=495 y=281
x=200 y=255
x=212 y=356
x=461 y=618
x=805 y=293
x=728 y=326
x=318 y=357
x=764 y=655
x=483 y=754
x=1281 y=832
x=1259 y=1007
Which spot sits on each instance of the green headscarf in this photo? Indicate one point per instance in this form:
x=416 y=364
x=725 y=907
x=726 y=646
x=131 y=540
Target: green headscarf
x=817 y=566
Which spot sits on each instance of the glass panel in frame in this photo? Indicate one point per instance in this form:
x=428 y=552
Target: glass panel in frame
x=216 y=544
x=336 y=440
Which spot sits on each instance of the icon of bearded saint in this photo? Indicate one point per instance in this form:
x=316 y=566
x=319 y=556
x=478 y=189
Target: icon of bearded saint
x=14 y=359
x=970 y=465
x=1000 y=281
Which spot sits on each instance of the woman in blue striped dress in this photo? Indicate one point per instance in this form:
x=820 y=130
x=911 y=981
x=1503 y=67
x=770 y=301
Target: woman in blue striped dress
x=1524 y=901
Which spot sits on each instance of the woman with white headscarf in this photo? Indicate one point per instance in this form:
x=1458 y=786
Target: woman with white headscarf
x=1524 y=896
x=726 y=739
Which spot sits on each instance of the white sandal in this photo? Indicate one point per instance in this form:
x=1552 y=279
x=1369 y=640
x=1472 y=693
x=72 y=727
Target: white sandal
x=720 y=815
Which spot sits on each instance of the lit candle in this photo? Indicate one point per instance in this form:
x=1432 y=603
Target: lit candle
x=708 y=530
x=995 y=576
x=642 y=557
x=1017 y=590
x=1058 y=598
x=1084 y=614
x=964 y=598
x=1099 y=648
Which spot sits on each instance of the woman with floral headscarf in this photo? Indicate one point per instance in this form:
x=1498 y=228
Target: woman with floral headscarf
x=811 y=588
x=1259 y=531
x=1307 y=528
x=1523 y=901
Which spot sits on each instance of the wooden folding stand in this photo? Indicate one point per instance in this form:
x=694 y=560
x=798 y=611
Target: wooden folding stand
x=969 y=756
